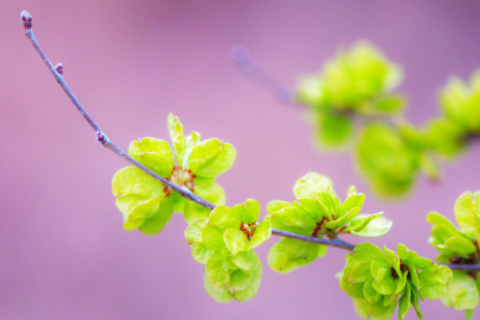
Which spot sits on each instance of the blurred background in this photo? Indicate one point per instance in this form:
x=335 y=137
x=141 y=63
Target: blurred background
x=63 y=251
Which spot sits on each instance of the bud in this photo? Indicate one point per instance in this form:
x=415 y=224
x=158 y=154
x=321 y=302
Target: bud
x=59 y=68
x=26 y=20
x=101 y=136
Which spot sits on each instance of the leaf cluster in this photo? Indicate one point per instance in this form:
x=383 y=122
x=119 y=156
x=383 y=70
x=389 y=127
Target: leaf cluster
x=318 y=212
x=459 y=246
x=224 y=242
x=379 y=280
x=192 y=164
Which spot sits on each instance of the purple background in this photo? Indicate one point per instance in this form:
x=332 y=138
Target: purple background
x=63 y=252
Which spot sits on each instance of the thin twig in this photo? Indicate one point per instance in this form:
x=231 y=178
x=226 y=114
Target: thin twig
x=107 y=143
x=241 y=57
x=100 y=135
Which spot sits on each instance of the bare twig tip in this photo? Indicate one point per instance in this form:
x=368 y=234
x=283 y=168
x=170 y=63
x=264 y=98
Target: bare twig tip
x=59 y=68
x=26 y=20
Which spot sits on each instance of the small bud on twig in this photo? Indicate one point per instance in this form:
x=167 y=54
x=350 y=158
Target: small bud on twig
x=100 y=136
x=26 y=20
x=59 y=68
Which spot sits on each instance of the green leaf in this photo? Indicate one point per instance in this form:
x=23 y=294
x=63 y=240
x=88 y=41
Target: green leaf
x=244 y=260
x=217 y=272
x=214 y=194
x=434 y=281
x=219 y=296
x=414 y=300
x=437 y=219
x=354 y=200
x=175 y=129
x=155 y=223
x=240 y=280
x=290 y=254
x=362 y=308
x=369 y=291
x=235 y=240
x=355 y=290
x=333 y=130
x=391 y=104
x=405 y=303
x=361 y=272
x=460 y=246
x=256 y=272
x=344 y=219
x=314 y=209
x=376 y=227
x=467 y=209
x=154 y=154
x=462 y=293
x=262 y=233
x=191 y=141
x=384 y=282
x=247 y=212
x=223 y=218
x=294 y=217
x=310 y=184
x=212 y=237
x=445 y=137
x=383 y=312
x=212 y=157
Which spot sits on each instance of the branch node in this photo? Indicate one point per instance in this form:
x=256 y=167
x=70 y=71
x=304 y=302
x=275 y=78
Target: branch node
x=26 y=20
x=101 y=137
x=59 y=68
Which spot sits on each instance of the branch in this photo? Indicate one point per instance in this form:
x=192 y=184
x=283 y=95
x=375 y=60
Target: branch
x=241 y=57
x=57 y=73
x=100 y=135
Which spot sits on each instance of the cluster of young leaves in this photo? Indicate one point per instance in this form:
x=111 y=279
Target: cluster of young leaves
x=379 y=280
x=448 y=135
x=357 y=81
x=358 y=84
x=318 y=212
x=192 y=164
x=224 y=242
x=459 y=246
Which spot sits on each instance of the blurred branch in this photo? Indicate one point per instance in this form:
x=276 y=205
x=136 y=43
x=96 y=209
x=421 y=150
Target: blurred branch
x=246 y=64
x=241 y=57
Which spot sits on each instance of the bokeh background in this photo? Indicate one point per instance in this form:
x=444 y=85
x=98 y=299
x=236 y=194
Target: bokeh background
x=63 y=252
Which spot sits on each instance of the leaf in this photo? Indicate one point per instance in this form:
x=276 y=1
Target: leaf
x=244 y=260
x=310 y=184
x=467 y=208
x=132 y=187
x=460 y=246
x=193 y=211
x=235 y=240
x=212 y=237
x=223 y=218
x=175 y=129
x=154 y=154
x=361 y=272
x=369 y=292
x=240 y=280
x=247 y=212
x=362 y=308
x=462 y=293
x=355 y=290
x=391 y=104
x=262 y=233
x=344 y=219
x=405 y=303
x=290 y=254
x=434 y=281
x=251 y=290
x=219 y=296
x=353 y=201
x=155 y=223
x=333 y=130
x=191 y=141
x=211 y=158
x=218 y=274
x=294 y=217
x=384 y=282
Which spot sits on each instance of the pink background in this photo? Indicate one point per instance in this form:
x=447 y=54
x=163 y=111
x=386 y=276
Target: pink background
x=63 y=252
